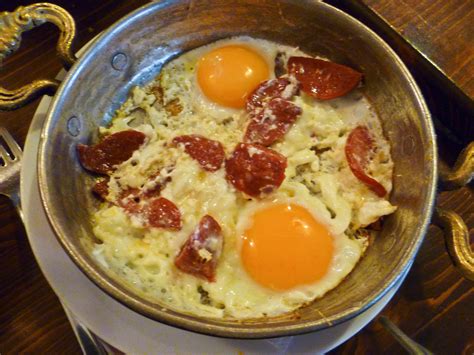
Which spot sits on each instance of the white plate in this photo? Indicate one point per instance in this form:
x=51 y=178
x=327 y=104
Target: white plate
x=125 y=329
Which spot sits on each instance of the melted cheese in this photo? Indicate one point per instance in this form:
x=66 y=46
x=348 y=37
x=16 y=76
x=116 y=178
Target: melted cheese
x=317 y=177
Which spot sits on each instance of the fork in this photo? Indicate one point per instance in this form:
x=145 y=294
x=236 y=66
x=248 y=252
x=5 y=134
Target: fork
x=10 y=156
x=10 y=166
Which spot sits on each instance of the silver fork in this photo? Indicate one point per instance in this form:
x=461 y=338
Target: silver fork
x=10 y=166
x=10 y=154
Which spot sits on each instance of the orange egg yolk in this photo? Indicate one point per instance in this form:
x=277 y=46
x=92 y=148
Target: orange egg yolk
x=227 y=75
x=286 y=247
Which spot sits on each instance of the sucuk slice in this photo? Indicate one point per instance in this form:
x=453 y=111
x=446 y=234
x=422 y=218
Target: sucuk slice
x=271 y=113
x=129 y=197
x=162 y=213
x=272 y=123
x=129 y=200
x=322 y=79
x=114 y=149
x=101 y=188
x=200 y=253
x=270 y=89
x=255 y=169
x=358 y=147
x=154 y=211
x=207 y=152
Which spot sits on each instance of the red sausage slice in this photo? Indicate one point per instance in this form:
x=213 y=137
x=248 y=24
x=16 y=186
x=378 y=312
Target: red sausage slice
x=114 y=149
x=157 y=212
x=130 y=197
x=129 y=200
x=322 y=79
x=207 y=152
x=154 y=192
x=270 y=89
x=160 y=183
x=255 y=170
x=272 y=123
x=200 y=253
x=358 y=147
x=162 y=213
x=271 y=112
x=101 y=188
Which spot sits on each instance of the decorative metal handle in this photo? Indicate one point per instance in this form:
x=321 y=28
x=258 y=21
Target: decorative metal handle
x=456 y=236
x=462 y=172
x=456 y=233
x=12 y=25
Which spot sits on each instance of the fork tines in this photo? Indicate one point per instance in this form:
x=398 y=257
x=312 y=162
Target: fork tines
x=9 y=148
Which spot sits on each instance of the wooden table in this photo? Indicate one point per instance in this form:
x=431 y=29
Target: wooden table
x=434 y=36
x=435 y=306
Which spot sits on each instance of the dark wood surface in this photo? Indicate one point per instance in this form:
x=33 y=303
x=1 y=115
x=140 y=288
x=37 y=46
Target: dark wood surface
x=436 y=36
x=442 y=30
x=435 y=306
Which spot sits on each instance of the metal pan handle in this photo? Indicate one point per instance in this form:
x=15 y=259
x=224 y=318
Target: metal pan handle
x=12 y=26
x=456 y=233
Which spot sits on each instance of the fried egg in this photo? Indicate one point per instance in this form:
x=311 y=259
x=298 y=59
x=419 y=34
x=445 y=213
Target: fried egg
x=217 y=78
x=284 y=237
x=281 y=251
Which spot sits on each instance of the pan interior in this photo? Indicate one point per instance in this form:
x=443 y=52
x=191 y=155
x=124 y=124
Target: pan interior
x=132 y=53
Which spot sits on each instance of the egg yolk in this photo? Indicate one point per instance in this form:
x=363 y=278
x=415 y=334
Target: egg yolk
x=227 y=75
x=286 y=247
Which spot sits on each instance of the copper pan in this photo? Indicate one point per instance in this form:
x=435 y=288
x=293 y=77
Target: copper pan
x=132 y=51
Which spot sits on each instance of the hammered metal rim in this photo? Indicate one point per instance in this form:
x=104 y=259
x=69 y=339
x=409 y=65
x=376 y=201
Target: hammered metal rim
x=203 y=326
